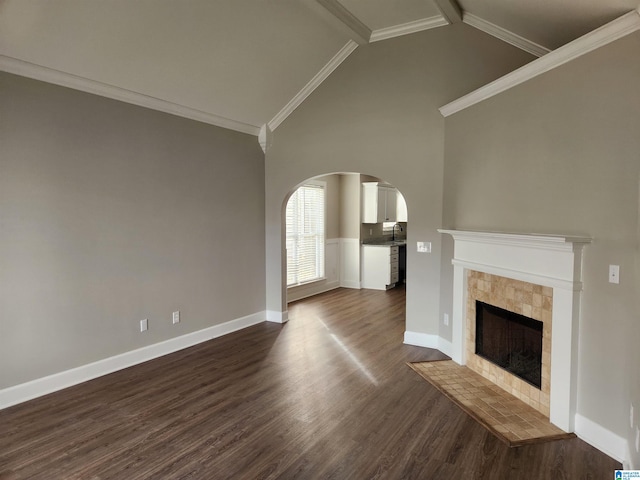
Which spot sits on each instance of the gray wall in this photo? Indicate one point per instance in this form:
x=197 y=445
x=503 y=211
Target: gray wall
x=111 y=213
x=377 y=114
x=561 y=154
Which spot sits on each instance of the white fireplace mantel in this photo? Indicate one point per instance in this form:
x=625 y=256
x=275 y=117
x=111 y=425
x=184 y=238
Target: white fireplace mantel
x=550 y=260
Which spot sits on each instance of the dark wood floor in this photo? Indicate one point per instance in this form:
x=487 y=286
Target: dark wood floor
x=327 y=395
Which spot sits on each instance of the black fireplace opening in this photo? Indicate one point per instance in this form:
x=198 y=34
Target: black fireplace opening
x=511 y=341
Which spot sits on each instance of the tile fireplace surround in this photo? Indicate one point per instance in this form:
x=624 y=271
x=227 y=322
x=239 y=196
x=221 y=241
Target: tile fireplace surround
x=549 y=263
x=528 y=299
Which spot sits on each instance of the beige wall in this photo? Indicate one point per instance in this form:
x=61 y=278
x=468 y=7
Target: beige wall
x=561 y=154
x=377 y=115
x=111 y=213
x=350 y=205
x=333 y=203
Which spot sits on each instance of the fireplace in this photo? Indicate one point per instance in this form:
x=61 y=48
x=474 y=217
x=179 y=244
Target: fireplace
x=548 y=271
x=511 y=341
x=514 y=299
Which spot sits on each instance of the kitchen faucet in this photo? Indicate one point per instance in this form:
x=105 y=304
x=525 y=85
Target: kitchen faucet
x=393 y=234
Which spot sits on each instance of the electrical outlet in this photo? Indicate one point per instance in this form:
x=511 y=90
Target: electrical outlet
x=144 y=325
x=176 y=317
x=446 y=319
x=614 y=273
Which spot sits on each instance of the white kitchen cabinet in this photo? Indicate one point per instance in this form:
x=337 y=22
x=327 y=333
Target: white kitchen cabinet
x=379 y=203
x=380 y=266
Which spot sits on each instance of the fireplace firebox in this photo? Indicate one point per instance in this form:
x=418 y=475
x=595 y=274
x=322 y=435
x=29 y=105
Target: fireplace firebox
x=511 y=341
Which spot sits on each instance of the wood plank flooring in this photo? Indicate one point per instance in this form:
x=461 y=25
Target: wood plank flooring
x=326 y=396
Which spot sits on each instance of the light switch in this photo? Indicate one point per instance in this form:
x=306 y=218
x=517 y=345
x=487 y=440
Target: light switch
x=614 y=273
x=424 y=247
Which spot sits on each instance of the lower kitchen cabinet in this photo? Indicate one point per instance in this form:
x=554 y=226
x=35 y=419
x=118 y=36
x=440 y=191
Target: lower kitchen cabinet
x=380 y=266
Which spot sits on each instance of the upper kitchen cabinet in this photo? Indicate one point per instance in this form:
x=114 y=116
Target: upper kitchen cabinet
x=382 y=203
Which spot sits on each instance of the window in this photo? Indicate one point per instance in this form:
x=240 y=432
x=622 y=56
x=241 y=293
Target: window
x=305 y=234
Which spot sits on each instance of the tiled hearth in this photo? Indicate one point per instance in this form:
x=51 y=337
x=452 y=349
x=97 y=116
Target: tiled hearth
x=539 y=276
x=531 y=300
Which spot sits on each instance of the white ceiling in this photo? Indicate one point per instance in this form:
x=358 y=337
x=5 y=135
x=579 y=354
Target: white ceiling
x=242 y=60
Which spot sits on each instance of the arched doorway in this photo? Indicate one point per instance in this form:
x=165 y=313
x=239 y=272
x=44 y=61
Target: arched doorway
x=353 y=243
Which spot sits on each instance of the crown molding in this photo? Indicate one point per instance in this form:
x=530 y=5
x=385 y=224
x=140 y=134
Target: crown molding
x=504 y=35
x=314 y=83
x=361 y=33
x=450 y=10
x=614 y=30
x=407 y=28
x=57 y=77
x=265 y=138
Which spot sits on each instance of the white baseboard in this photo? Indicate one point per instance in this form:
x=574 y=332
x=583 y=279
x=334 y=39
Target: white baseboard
x=309 y=291
x=599 y=437
x=421 y=339
x=445 y=346
x=58 y=381
x=277 y=317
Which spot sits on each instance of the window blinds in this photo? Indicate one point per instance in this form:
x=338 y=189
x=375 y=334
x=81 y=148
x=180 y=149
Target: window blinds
x=305 y=234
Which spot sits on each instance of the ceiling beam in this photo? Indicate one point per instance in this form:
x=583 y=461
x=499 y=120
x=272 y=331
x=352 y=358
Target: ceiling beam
x=450 y=10
x=358 y=31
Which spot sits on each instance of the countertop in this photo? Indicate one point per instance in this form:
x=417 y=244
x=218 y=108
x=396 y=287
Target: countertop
x=384 y=243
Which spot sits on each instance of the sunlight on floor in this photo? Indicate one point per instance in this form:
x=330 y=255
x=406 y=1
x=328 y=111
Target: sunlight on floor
x=350 y=354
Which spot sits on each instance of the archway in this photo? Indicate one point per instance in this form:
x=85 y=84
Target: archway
x=347 y=253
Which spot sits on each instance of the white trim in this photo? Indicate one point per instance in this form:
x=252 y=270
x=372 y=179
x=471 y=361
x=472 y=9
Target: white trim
x=599 y=437
x=314 y=83
x=265 y=138
x=52 y=383
x=348 y=284
x=548 y=242
x=600 y=37
x=57 y=77
x=312 y=291
x=550 y=260
x=421 y=339
x=277 y=317
x=359 y=31
x=408 y=28
x=504 y=35
x=450 y=10
x=445 y=346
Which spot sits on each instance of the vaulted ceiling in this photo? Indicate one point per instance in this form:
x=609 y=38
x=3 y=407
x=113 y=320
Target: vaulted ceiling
x=246 y=63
